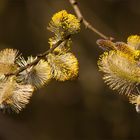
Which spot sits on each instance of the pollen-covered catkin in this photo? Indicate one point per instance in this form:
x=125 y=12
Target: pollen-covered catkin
x=63 y=66
x=134 y=41
x=121 y=72
x=64 y=24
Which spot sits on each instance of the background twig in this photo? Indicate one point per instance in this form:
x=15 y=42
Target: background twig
x=85 y=22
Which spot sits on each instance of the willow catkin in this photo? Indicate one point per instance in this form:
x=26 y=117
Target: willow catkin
x=64 y=66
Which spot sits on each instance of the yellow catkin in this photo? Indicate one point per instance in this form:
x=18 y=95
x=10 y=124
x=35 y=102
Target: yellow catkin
x=63 y=24
x=121 y=71
x=66 y=21
x=64 y=66
x=134 y=41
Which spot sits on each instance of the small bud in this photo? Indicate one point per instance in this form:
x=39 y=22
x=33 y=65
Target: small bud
x=63 y=47
x=106 y=44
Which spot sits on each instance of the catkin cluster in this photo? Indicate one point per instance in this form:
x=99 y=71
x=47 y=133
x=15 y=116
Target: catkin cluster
x=17 y=86
x=121 y=66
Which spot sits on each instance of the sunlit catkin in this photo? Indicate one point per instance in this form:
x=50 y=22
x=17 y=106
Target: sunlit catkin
x=14 y=96
x=64 y=66
x=63 y=24
x=37 y=75
x=121 y=72
x=7 y=61
x=134 y=41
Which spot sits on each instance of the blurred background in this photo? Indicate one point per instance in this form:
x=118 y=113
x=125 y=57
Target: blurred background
x=84 y=109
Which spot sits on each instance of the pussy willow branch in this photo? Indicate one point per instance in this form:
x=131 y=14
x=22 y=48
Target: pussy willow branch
x=39 y=57
x=84 y=21
x=43 y=55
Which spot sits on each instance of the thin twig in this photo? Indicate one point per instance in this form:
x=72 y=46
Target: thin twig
x=85 y=22
x=39 y=57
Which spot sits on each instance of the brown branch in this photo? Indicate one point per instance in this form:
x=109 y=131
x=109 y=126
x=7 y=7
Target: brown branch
x=39 y=57
x=85 y=22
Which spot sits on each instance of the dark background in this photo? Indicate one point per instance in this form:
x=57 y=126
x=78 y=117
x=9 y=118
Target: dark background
x=84 y=109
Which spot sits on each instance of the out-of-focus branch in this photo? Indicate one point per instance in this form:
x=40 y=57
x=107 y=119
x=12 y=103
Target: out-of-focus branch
x=84 y=21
